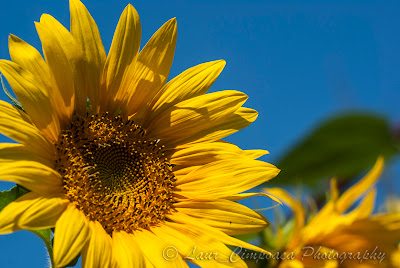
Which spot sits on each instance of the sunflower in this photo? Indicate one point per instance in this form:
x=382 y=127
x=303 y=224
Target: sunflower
x=127 y=168
x=340 y=235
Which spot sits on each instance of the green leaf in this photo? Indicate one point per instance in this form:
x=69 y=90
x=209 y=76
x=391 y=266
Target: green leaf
x=6 y=197
x=14 y=101
x=344 y=147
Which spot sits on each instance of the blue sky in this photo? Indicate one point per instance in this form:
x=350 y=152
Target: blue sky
x=298 y=61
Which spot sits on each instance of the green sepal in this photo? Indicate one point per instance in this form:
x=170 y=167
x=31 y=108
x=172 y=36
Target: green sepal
x=14 y=101
x=89 y=107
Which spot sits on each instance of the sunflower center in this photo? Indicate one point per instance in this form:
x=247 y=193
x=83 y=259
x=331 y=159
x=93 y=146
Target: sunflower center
x=114 y=173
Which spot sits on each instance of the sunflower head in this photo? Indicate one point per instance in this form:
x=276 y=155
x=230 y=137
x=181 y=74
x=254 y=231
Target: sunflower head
x=114 y=173
x=120 y=162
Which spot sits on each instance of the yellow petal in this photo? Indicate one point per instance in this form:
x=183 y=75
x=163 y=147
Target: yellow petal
x=97 y=251
x=225 y=178
x=33 y=176
x=194 y=246
x=254 y=154
x=32 y=211
x=17 y=126
x=65 y=62
x=353 y=193
x=30 y=59
x=188 y=157
x=186 y=221
x=71 y=234
x=122 y=55
x=379 y=233
x=87 y=36
x=334 y=190
x=33 y=97
x=228 y=125
x=126 y=252
x=151 y=68
x=154 y=247
x=329 y=220
x=298 y=211
x=238 y=197
x=187 y=118
x=11 y=152
x=230 y=217
x=203 y=153
x=191 y=83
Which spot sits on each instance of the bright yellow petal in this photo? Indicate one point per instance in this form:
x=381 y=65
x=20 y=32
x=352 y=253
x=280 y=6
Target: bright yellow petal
x=71 y=233
x=87 y=36
x=202 y=246
x=185 y=119
x=17 y=125
x=254 y=154
x=238 y=197
x=225 y=178
x=151 y=68
x=32 y=211
x=192 y=245
x=65 y=62
x=203 y=153
x=97 y=251
x=153 y=247
x=126 y=252
x=353 y=193
x=230 y=217
x=32 y=61
x=191 y=83
x=230 y=124
x=189 y=157
x=29 y=59
x=186 y=221
x=122 y=55
x=33 y=176
x=34 y=99
x=298 y=211
x=11 y=152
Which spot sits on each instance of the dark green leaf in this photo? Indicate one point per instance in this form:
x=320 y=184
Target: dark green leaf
x=6 y=197
x=342 y=147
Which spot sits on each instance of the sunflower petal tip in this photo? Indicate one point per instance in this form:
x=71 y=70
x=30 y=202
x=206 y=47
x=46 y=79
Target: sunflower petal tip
x=222 y=62
x=13 y=38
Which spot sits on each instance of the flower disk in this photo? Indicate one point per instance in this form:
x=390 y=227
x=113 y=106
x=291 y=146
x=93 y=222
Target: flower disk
x=115 y=174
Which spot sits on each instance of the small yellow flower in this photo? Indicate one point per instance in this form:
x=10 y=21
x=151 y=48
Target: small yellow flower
x=141 y=173
x=340 y=235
